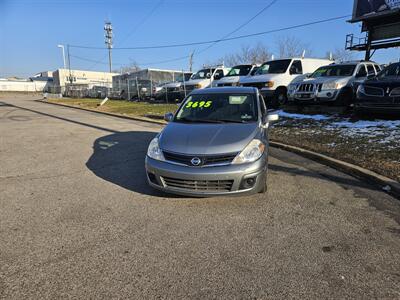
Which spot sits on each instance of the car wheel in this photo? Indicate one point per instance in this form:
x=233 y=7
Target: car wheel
x=280 y=98
x=345 y=99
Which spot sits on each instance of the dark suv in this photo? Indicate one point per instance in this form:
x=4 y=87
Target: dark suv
x=380 y=94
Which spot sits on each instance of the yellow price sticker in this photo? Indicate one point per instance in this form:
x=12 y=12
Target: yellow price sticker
x=198 y=104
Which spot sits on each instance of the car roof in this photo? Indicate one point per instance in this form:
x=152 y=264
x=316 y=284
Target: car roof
x=225 y=90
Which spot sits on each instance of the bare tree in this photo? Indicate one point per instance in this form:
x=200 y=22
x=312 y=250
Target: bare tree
x=290 y=46
x=248 y=55
x=340 y=55
x=132 y=67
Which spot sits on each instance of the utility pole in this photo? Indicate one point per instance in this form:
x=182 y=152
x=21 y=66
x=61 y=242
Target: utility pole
x=191 y=61
x=108 y=40
x=69 y=65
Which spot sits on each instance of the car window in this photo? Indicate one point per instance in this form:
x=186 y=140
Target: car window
x=242 y=70
x=370 y=69
x=334 y=71
x=390 y=71
x=219 y=74
x=296 y=67
x=202 y=74
x=362 y=72
x=274 y=67
x=377 y=68
x=221 y=107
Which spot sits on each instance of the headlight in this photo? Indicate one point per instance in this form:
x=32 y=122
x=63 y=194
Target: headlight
x=198 y=86
x=395 y=92
x=269 y=84
x=154 y=150
x=252 y=152
x=292 y=88
x=333 y=85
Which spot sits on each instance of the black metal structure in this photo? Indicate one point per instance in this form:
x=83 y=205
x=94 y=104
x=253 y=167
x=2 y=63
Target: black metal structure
x=380 y=26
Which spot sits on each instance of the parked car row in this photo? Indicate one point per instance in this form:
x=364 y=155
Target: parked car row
x=301 y=81
x=334 y=83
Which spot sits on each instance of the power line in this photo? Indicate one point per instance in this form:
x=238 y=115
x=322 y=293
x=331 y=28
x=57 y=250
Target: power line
x=145 y=18
x=241 y=26
x=219 y=40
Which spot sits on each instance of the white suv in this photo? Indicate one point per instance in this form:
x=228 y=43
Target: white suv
x=273 y=77
x=334 y=83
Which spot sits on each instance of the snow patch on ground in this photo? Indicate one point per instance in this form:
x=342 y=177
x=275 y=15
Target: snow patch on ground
x=301 y=116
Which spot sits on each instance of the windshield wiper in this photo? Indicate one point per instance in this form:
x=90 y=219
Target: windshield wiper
x=198 y=120
x=232 y=121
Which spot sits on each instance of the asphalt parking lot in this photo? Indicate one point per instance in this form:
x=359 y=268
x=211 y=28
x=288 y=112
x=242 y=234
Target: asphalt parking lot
x=77 y=220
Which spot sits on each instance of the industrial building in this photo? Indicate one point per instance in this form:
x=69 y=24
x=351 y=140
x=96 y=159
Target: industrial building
x=69 y=81
x=41 y=82
x=140 y=83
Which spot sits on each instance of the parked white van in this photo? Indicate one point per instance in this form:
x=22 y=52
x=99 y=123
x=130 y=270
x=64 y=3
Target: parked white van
x=273 y=77
x=204 y=78
x=235 y=74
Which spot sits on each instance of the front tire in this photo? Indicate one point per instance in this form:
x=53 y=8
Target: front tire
x=264 y=187
x=280 y=97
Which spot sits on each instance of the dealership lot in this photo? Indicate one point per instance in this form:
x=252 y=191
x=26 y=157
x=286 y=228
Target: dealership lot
x=77 y=219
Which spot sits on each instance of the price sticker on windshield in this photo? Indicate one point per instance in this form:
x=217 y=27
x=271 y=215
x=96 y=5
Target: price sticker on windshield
x=198 y=104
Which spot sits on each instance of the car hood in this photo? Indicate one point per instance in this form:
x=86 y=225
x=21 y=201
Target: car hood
x=326 y=79
x=207 y=139
x=259 y=78
x=173 y=84
x=383 y=83
x=196 y=81
x=229 y=79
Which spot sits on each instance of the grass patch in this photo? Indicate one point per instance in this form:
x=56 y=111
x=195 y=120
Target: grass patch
x=120 y=106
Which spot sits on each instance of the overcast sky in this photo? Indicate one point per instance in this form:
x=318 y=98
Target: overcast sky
x=30 y=30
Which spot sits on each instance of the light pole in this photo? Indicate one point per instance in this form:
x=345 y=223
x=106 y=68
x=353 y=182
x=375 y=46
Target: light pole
x=63 y=53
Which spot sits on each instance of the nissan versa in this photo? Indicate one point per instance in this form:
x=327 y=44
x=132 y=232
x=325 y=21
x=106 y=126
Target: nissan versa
x=215 y=144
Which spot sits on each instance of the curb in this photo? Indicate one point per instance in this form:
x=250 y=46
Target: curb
x=141 y=119
x=386 y=184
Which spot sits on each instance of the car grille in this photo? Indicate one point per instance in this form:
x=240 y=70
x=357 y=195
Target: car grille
x=258 y=85
x=374 y=91
x=190 y=88
x=206 y=160
x=172 y=89
x=306 y=87
x=226 y=84
x=198 y=185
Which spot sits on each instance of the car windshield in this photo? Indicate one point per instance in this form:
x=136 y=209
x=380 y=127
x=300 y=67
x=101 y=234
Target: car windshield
x=391 y=71
x=242 y=70
x=179 y=77
x=334 y=71
x=202 y=74
x=218 y=108
x=274 y=67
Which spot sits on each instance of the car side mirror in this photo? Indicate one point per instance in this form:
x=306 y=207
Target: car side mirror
x=169 y=117
x=270 y=118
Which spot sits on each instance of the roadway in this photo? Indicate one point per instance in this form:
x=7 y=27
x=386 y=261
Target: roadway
x=77 y=220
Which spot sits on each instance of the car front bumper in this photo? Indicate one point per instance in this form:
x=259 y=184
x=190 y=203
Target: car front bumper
x=325 y=96
x=206 y=181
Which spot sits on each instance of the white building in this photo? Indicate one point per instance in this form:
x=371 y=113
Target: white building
x=87 y=79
